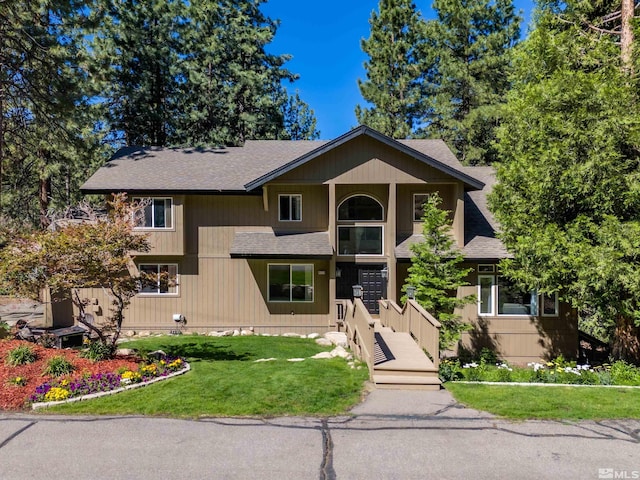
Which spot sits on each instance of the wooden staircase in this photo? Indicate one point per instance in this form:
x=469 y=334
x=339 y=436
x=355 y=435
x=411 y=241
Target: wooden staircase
x=400 y=363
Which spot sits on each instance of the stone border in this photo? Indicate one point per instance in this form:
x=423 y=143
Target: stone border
x=39 y=405
x=541 y=384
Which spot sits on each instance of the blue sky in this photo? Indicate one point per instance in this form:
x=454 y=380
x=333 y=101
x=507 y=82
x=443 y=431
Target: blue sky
x=324 y=39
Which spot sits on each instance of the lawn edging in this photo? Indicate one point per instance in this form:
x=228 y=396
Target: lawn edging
x=40 y=405
x=541 y=384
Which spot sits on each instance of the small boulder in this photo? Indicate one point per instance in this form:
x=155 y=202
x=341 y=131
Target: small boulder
x=145 y=333
x=337 y=338
x=236 y=333
x=323 y=355
x=125 y=352
x=157 y=354
x=129 y=333
x=291 y=334
x=341 y=352
x=246 y=333
x=295 y=360
x=323 y=342
x=227 y=333
x=313 y=335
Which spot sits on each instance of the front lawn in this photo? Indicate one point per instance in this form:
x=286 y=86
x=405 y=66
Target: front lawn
x=226 y=380
x=551 y=403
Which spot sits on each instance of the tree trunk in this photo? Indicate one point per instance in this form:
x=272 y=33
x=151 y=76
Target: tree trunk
x=626 y=35
x=44 y=198
x=626 y=341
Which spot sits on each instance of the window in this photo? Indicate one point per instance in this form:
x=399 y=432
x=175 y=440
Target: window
x=499 y=296
x=360 y=208
x=290 y=283
x=158 y=213
x=290 y=208
x=359 y=240
x=159 y=278
x=419 y=199
x=550 y=305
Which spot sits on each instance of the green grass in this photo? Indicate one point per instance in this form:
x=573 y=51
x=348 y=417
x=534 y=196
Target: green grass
x=225 y=381
x=551 y=403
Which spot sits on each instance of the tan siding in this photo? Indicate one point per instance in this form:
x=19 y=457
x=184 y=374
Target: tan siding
x=171 y=241
x=406 y=224
x=315 y=212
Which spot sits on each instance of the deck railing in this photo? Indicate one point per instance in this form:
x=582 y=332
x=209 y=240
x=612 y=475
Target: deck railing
x=360 y=329
x=416 y=321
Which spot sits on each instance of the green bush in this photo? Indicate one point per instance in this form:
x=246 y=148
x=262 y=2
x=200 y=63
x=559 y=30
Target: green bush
x=58 y=366
x=449 y=370
x=21 y=356
x=97 y=351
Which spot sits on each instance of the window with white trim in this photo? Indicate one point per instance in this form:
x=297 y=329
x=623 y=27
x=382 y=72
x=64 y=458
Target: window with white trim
x=497 y=295
x=360 y=208
x=159 y=278
x=550 y=305
x=419 y=199
x=157 y=214
x=290 y=207
x=290 y=282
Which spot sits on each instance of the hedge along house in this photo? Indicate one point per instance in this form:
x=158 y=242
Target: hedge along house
x=273 y=234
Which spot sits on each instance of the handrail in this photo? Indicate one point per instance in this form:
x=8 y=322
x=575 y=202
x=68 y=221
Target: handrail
x=360 y=331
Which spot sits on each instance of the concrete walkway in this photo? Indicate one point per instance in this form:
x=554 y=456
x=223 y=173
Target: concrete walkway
x=394 y=434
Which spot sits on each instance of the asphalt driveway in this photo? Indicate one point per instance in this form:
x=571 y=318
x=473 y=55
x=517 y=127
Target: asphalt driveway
x=392 y=435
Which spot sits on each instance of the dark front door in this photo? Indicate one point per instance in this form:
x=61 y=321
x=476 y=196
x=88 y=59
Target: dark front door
x=369 y=276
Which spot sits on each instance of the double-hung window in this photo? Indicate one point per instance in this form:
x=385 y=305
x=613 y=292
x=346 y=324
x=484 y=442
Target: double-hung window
x=290 y=282
x=159 y=279
x=157 y=213
x=290 y=208
x=419 y=199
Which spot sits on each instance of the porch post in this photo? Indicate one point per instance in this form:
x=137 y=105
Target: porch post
x=390 y=241
x=332 y=263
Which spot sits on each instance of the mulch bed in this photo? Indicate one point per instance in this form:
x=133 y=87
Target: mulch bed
x=14 y=397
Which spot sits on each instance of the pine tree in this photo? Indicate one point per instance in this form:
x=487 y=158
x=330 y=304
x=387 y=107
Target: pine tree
x=44 y=112
x=436 y=272
x=395 y=70
x=299 y=119
x=470 y=42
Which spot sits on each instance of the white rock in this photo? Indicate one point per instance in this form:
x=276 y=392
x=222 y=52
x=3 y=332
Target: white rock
x=295 y=360
x=146 y=333
x=303 y=336
x=313 y=335
x=341 y=352
x=323 y=355
x=129 y=333
x=125 y=352
x=337 y=338
x=236 y=333
x=246 y=333
x=265 y=334
x=291 y=334
x=227 y=333
x=324 y=342
x=214 y=334
x=265 y=360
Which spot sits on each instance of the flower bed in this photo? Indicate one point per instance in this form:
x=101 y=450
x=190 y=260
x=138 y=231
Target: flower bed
x=26 y=383
x=558 y=371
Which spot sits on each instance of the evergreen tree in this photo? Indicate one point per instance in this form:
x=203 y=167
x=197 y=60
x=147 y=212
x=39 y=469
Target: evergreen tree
x=45 y=135
x=436 y=272
x=470 y=41
x=395 y=72
x=568 y=192
x=137 y=48
x=299 y=119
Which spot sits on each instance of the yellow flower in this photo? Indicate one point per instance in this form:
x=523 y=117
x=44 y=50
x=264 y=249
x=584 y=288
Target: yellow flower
x=56 y=394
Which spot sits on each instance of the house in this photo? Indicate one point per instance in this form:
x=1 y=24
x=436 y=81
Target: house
x=274 y=234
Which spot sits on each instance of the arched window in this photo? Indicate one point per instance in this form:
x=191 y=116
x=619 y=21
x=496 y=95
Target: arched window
x=360 y=208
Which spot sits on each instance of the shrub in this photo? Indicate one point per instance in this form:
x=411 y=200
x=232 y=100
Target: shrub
x=449 y=370
x=97 y=350
x=21 y=356
x=58 y=366
x=488 y=356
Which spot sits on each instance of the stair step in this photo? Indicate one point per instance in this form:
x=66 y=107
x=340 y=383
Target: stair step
x=396 y=381
x=405 y=373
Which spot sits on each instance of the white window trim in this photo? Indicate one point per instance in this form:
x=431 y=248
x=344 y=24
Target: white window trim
x=299 y=195
x=171 y=228
x=360 y=195
x=486 y=268
x=367 y=225
x=495 y=297
x=556 y=306
x=313 y=287
x=494 y=294
x=160 y=294
x=413 y=213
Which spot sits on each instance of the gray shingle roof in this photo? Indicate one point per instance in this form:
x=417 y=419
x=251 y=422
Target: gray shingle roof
x=480 y=242
x=238 y=169
x=272 y=245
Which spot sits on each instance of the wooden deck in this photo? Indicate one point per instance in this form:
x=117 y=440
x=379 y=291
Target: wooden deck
x=409 y=367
